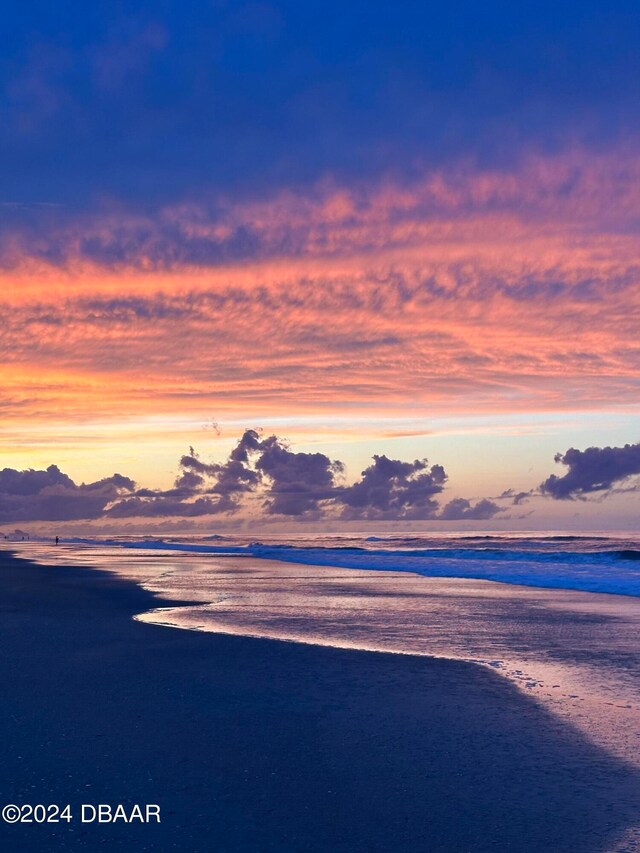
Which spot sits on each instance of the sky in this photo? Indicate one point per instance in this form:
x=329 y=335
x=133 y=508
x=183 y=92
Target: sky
x=374 y=231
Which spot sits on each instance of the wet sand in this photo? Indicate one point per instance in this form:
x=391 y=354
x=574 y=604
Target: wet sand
x=261 y=745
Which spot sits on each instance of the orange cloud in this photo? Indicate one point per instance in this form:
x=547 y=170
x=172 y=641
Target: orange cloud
x=465 y=292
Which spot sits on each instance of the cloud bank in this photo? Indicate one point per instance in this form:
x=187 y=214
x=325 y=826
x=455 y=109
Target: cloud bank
x=262 y=477
x=51 y=495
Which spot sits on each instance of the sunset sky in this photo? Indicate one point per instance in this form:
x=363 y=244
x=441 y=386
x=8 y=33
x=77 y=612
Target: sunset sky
x=402 y=229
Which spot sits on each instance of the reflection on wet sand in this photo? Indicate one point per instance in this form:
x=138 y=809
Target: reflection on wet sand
x=578 y=653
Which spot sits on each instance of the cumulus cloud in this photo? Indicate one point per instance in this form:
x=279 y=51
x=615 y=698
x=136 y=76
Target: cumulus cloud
x=201 y=488
x=460 y=509
x=283 y=482
x=391 y=489
x=51 y=495
x=299 y=482
x=235 y=476
x=596 y=469
x=292 y=483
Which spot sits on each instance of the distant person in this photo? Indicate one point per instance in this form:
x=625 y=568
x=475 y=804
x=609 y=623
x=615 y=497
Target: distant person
x=57 y=540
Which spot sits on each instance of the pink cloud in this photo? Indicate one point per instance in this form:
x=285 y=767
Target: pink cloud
x=466 y=291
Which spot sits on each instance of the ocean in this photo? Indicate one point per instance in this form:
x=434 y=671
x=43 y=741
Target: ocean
x=595 y=563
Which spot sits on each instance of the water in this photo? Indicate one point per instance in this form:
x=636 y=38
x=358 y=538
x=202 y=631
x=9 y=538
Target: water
x=558 y=615
x=589 y=563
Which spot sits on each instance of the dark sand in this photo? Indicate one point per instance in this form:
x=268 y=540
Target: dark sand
x=258 y=745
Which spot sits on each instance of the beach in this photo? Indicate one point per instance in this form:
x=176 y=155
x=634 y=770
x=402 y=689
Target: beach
x=575 y=651
x=262 y=745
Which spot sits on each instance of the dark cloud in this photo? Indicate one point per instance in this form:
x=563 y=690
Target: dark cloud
x=460 y=509
x=516 y=498
x=51 y=495
x=294 y=484
x=249 y=442
x=229 y=479
x=189 y=482
x=391 y=489
x=236 y=476
x=201 y=488
x=164 y=507
x=31 y=482
x=596 y=469
x=287 y=483
x=299 y=482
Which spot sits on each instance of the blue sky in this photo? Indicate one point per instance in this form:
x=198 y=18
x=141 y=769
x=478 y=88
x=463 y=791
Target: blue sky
x=150 y=102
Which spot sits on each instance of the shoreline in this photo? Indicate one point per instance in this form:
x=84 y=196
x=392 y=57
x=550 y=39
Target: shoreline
x=260 y=745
